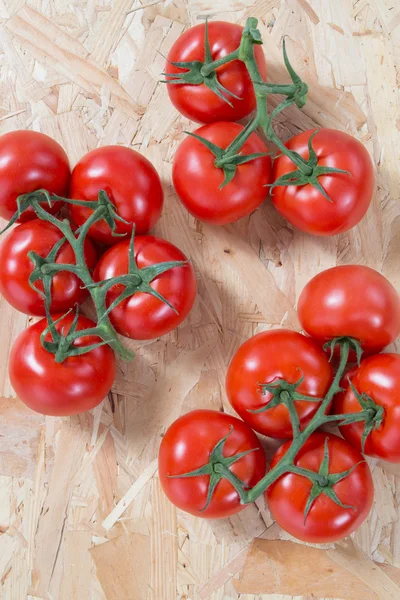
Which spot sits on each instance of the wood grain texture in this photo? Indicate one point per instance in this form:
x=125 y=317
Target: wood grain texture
x=82 y=514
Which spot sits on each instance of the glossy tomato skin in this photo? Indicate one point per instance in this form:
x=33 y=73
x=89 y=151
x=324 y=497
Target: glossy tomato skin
x=351 y=300
x=142 y=316
x=197 y=180
x=132 y=184
x=326 y=521
x=59 y=389
x=379 y=377
x=270 y=355
x=29 y=161
x=304 y=206
x=187 y=445
x=198 y=102
x=40 y=237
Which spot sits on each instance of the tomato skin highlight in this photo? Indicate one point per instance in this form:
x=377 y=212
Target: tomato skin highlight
x=283 y=354
x=198 y=102
x=304 y=206
x=29 y=161
x=142 y=316
x=379 y=377
x=354 y=301
x=197 y=180
x=60 y=389
x=132 y=184
x=326 y=522
x=40 y=237
x=187 y=445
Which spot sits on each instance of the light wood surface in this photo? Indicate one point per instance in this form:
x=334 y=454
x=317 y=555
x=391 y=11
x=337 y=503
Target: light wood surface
x=82 y=515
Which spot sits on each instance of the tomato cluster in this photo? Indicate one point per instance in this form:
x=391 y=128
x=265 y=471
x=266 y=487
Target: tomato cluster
x=31 y=161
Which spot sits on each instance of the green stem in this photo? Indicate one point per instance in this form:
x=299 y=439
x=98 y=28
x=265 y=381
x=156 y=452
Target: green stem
x=208 y=68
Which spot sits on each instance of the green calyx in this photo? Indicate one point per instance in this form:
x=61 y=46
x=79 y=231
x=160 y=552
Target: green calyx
x=352 y=344
x=283 y=392
x=217 y=468
x=309 y=174
x=226 y=159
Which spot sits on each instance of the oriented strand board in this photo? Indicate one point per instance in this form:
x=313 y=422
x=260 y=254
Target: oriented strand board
x=82 y=514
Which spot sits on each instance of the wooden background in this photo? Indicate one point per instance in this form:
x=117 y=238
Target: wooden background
x=82 y=515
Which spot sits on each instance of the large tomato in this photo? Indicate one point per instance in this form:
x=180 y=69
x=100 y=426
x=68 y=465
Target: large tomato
x=199 y=102
x=354 y=301
x=132 y=184
x=271 y=355
x=304 y=206
x=187 y=445
x=326 y=521
x=30 y=161
x=197 y=180
x=142 y=316
x=379 y=378
x=40 y=237
x=73 y=386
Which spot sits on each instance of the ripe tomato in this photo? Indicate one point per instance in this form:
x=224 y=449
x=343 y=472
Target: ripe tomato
x=354 y=301
x=142 y=316
x=378 y=377
x=198 y=102
x=40 y=237
x=326 y=521
x=131 y=182
x=74 y=386
x=197 y=180
x=187 y=445
x=271 y=355
x=30 y=161
x=304 y=206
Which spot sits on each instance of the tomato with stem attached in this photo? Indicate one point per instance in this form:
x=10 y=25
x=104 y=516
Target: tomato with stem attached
x=131 y=183
x=335 y=504
x=226 y=94
x=353 y=301
x=30 y=161
x=375 y=386
x=350 y=192
x=267 y=358
x=51 y=388
x=198 y=180
x=144 y=315
x=40 y=237
x=204 y=438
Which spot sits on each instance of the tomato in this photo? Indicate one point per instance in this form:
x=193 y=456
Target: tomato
x=271 y=355
x=30 y=161
x=142 y=316
x=74 y=386
x=379 y=378
x=326 y=521
x=187 y=445
x=351 y=300
x=304 y=206
x=132 y=184
x=40 y=237
x=197 y=180
x=198 y=102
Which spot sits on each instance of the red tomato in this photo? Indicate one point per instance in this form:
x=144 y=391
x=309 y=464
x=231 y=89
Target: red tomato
x=198 y=102
x=379 y=378
x=197 y=180
x=142 y=316
x=271 y=355
x=74 y=386
x=40 y=237
x=30 y=161
x=132 y=184
x=354 y=301
x=326 y=521
x=304 y=206
x=187 y=445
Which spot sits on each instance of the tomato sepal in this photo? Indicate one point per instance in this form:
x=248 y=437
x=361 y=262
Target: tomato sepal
x=353 y=344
